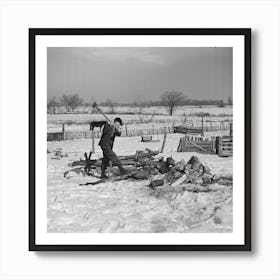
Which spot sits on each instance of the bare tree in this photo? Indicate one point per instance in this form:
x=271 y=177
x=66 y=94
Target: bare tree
x=65 y=101
x=229 y=101
x=52 y=104
x=221 y=103
x=171 y=99
x=71 y=101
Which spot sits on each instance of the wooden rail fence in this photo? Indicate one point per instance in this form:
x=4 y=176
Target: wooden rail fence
x=200 y=129
x=223 y=146
x=86 y=134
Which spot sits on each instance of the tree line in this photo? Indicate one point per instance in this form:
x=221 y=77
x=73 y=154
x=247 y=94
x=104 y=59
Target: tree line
x=70 y=102
x=170 y=99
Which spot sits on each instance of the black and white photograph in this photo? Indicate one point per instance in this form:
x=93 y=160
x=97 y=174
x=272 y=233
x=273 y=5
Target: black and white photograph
x=140 y=141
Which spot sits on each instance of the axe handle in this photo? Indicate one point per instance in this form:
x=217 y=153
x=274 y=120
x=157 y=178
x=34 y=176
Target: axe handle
x=101 y=112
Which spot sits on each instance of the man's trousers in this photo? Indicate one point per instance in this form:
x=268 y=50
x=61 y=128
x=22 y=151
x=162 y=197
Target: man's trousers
x=109 y=155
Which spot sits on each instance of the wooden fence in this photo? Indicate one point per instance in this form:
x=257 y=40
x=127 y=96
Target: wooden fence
x=223 y=146
x=86 y=134
x=187 y=130
x=184 y=129
x=55 y=136
x=191 y=143
x=200 y=129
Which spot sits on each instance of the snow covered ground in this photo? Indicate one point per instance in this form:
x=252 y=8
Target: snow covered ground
x=145 y=119
x=131 y=206
x=160 y=110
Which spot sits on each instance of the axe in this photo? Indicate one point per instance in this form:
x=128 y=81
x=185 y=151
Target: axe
x=95 y=106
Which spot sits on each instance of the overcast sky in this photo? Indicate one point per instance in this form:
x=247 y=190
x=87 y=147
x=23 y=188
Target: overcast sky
x=141 y=74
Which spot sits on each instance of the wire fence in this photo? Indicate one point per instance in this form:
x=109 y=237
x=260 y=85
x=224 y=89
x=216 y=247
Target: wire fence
x=85 y=134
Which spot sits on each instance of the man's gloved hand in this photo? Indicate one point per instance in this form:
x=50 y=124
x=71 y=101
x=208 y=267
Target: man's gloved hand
x=119 y=129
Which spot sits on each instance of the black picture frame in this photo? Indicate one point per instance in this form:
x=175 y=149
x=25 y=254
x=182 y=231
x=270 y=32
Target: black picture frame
x=246 y=32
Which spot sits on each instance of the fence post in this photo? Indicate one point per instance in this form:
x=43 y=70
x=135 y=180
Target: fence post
x=179 y=146
x=230 y=129
x=63 y=131
x=126 y=129
x=202 y=126
x=163 y=143
x=92 y=142
x=217 y=144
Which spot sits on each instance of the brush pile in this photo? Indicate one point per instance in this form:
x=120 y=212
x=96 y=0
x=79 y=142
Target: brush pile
x=146 y=165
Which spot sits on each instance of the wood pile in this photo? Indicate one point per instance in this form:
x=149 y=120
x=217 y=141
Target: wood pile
x=193 y=172
x=131 y=163
x=144 y=165
x=125 y=160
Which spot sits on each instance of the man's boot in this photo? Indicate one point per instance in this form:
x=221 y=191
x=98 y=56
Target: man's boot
x=104 y=176
x=122 y=170
x=103 y=173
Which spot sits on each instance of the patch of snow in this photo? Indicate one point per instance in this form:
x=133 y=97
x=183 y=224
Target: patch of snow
x=131 y=206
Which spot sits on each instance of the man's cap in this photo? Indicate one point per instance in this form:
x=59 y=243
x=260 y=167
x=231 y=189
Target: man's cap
x=118 y=120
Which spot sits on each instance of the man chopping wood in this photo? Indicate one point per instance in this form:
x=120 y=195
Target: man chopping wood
x=109 y=132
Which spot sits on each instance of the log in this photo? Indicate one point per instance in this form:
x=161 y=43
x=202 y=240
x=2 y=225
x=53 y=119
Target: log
x=124 y=163
x=97 y=163
x=148 y=153
x=156 y=183
x=197 y=188
x=125 y=160
x=179 y=181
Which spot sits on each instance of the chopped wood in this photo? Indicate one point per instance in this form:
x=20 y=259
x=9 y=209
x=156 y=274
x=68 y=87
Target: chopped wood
x=179 y=181
x=191 y=176
x=125 y=160
x=156 y=183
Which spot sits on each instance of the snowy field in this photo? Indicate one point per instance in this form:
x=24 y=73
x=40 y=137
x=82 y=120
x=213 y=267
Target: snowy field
x=129 y=205
x=158 y=110
x=147 y=118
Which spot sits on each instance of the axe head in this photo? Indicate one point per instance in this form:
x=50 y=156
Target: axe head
x=94 y=105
